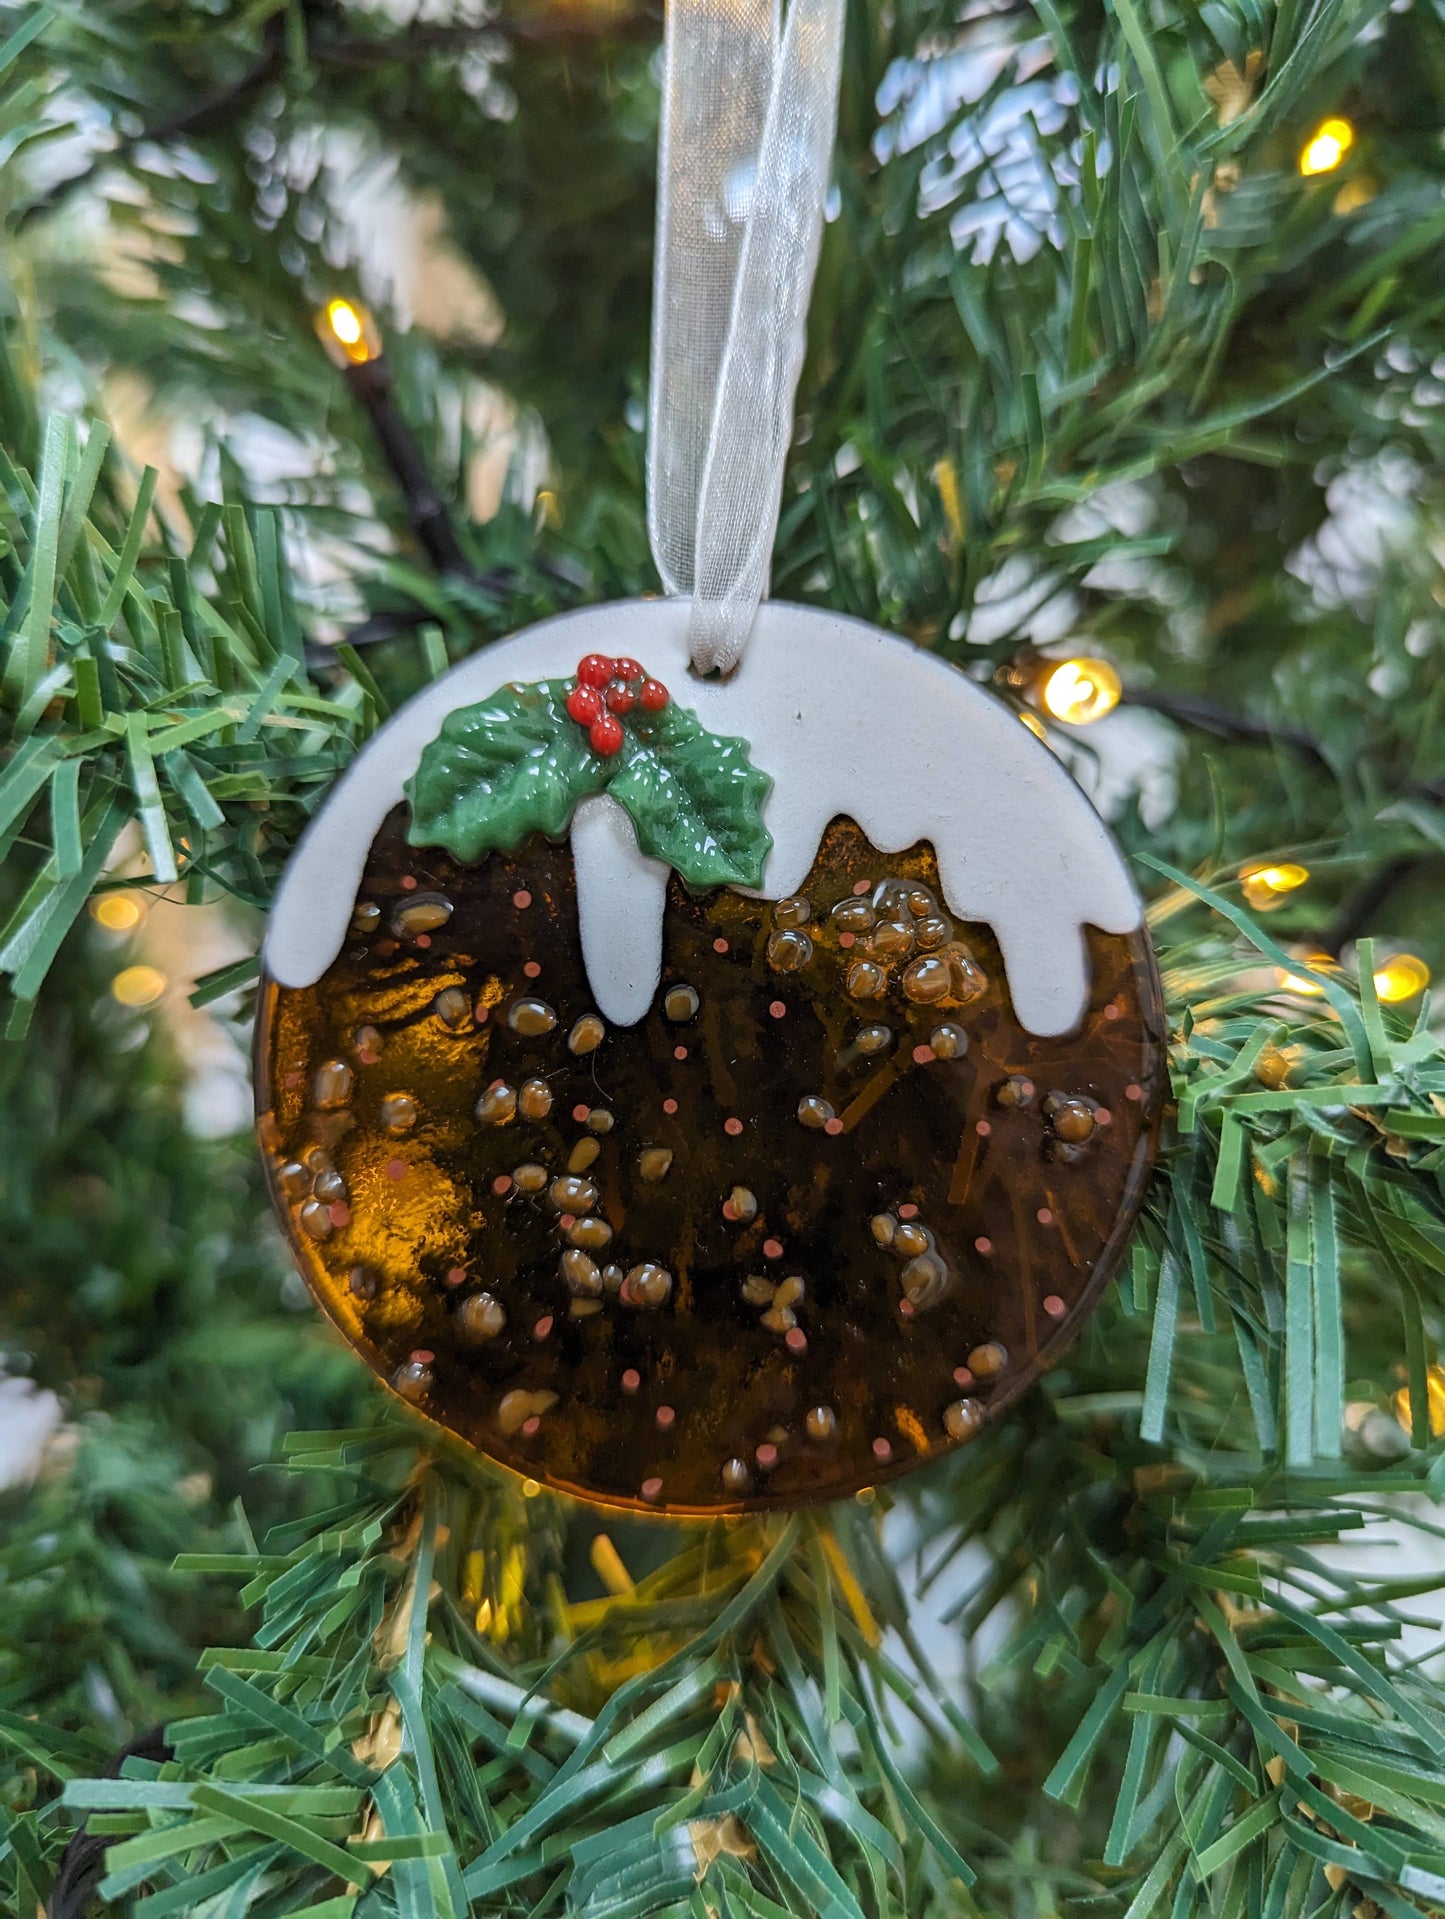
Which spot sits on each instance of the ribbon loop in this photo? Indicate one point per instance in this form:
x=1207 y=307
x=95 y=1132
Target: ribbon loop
x=747 y=141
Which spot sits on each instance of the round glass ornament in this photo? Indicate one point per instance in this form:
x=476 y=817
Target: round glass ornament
x=707 y=1197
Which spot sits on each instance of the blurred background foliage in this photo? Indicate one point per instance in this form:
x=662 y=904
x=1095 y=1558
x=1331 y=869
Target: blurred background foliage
x=1097 y=367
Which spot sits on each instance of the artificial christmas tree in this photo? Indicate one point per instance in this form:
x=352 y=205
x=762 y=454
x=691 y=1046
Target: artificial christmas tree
x=1117 y=348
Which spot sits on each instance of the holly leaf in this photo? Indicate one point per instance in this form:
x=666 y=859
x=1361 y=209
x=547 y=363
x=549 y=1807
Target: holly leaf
x=695 y=799
x=512 y=765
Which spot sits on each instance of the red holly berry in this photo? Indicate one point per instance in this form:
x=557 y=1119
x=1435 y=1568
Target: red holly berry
x=620 y=697
x=584 y=704
x=596 y=670
x=654 y=696
x=606 y=735
x=625 y=669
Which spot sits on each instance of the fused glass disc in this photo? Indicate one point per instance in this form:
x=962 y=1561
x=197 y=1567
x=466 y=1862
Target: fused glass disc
x=800 y=1228
x=703 y=1094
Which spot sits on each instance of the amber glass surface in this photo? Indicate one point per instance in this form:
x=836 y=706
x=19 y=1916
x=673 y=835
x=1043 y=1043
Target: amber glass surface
x=816 y=1225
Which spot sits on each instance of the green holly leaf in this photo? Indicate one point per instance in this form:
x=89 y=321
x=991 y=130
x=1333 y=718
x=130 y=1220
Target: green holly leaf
x=512 y=765
x=695 y=799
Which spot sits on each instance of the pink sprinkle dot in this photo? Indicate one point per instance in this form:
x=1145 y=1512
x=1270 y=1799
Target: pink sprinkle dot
x=679 y=1052
x=845 y=940
x=422 y=1357
x=533 y=969
x=983 y=1129
x=631 y=1380
x=409 y=882
x=396 y=1169
x=669 y=1106
x=1054 y=1306
x=732 y=1126
x=423 y=939
x=905 y=1306
x=365 y=1057
x=502 y=1183
x=293 y=1079
x=1044 y=1216
x=777 y=1009
x=1102 y=1116
x=962 y=1376
x=730 y=1212
x=719 y=946
x=1113 y=1010
x=481 y=1012
x=339 y=1214
x=581 y=1114
x=772 y=1249
x=521 y=899
x=542 y=1327
x=766 y=1455
x=922 y=1055
x=531 y=1427
x=1028 y=1089
x=456 y=1275
x=908 y=1211
x=796 y=1340
x=882 y=1449
x=1133 y=1092
x=665 y=1417
x=983 y=1244
x=567 y=1221
x=860 y=887
x=652 y=1489
x=833 y=1126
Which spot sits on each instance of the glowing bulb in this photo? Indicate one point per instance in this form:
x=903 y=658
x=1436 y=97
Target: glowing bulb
x=1434 y=1399
x=1401 y=978
x=1081 y=691
x=348 y=333
x=1297 y=983
x=139 y=986
x=1265 y=886
x=1326 y=147
x=116 y=912
x=530 y=1489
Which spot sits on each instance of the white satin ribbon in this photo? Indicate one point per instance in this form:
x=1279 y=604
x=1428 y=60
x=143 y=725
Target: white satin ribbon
x=747 y=140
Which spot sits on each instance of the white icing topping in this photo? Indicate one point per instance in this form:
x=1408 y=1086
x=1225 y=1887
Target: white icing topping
x=846 y=720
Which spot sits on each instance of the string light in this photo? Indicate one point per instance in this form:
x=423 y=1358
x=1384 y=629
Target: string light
x=1401 y=978
x=1078 y=692
x=139 y=986
x=116 y=912
x=348 y=333
x=1297 y=983
x=1265 y=887
x=1326 y=147
x=1434 y=1399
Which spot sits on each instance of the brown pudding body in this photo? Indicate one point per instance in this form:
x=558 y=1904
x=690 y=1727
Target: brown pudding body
x=1013 y=1169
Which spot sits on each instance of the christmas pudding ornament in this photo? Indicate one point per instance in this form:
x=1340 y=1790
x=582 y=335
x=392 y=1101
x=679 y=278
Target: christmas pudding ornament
x=710 y=1052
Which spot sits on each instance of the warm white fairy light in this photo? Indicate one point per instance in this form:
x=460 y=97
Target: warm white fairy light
x=348 y=333
x=139 y=986
x=1326 y=147
x=1400 y=978
x=1078 y=692
x=1300 y=983
x=116 y=912
x=1266 y=887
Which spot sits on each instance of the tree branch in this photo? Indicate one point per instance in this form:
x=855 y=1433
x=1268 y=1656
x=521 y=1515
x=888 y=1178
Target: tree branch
x=214 y=113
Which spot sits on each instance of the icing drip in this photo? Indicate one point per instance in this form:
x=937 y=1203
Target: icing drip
x=846 y=720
